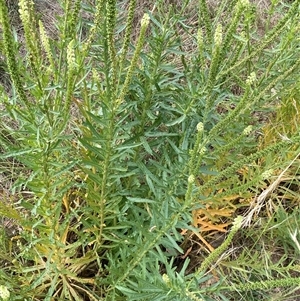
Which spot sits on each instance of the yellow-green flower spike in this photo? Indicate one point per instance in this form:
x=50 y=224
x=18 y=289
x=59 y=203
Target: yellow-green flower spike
x=200 y=127
x=267 y=174
x=71 y=56
x=74 y=19
x=218 y=35
x=217 y=252
x=247 y=130
x=144 y=25
x=129 y=23
x=166 y=279
x=193 y=296
x=244 y=3
x=46 y=44
x=145 y=21
x=93 y=30
x=237 y=223
x=205 y=18
x=4 y=293
x=10 y=52
x=32 y=39
x=202 y=150
x=110 y=27
x=191 y=179
x=72 y=66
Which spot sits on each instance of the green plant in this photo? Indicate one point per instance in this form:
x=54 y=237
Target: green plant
x=120 y=142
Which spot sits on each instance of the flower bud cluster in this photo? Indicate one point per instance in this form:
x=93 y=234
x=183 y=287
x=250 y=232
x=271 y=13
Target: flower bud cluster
x=200 y=127
x=191 y=179
x=247 y=130
x=251 y=79
x=267 y=174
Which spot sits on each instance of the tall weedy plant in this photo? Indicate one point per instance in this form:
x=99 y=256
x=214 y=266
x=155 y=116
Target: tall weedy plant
x=113 y=137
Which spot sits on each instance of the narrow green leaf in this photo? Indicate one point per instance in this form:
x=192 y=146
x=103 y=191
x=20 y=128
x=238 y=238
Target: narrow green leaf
x=146 y=146
x=140 y=200
x=16 y=153
x=174 y=243
x=176 y=121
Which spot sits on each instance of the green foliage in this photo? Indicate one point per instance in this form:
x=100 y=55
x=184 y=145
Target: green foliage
x=114 y=136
